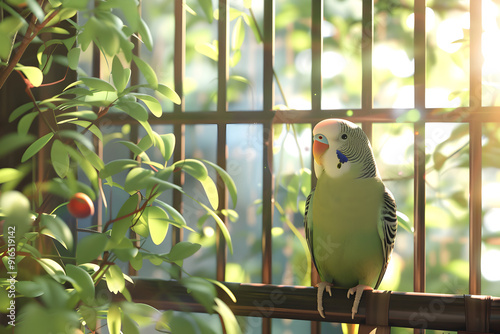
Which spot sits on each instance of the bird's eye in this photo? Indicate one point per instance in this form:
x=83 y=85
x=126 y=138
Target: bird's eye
x=320 y=137
x=344 y=136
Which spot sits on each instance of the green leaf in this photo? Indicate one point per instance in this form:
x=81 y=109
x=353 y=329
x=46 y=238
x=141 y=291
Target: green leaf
x=98 y=84
x=12 y=141
x=221 y=225
x=128 y=325
x=63 y=14
x=136 y=262
x=206 y=5
x=86 y=114
x=115 y=280
x=117 y=166
x=91 y=157
x=36 y=146
x=238 y=35
x=145 y=33
x=25 y=122
x=177 y=217
x=125 y=251
x=404 y=221
x=89 y=315
x=93 y=128
x=135 y=110
x=138 y=178
x=9 y=174
x=114 y=318
x=120 y=227
x=35 y=8
x=169 y=93
x=21 y=110
x=182 y=250
x=158 y=223
x=74 y=58
x=140 y=313
x=208 y=50
x=147 y=71
x=228 y=181
x=120 y=75
x=202 y=290
x=138 y=151
x=60 y=158
x=33 y=74
x=169 y=143
x=230 y=323
x=211 y=191
x=29 y=289
x=83 y=283
x=193 y=167
x=77 y=137
x=198 y=170
x=52 y=268
x=151 y=102
x=90 y=247
x=57 y=228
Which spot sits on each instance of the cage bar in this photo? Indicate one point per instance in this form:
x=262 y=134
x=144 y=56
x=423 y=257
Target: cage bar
x=267 y=150
x=223 y=74
x=179 y=128
x=419 y=149
x=475 y=149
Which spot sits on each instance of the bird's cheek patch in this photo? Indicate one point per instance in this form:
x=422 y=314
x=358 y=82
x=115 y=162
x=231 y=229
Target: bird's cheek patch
x=342 y=159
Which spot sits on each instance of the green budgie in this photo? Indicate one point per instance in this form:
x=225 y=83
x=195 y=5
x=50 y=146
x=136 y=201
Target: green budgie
x=350 y=218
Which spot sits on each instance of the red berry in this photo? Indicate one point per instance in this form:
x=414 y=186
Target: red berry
x=80 y=205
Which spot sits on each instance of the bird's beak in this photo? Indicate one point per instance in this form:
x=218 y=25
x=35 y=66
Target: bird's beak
x=319 y=149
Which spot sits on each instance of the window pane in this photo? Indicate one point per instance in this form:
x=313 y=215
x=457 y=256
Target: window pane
x=447 y=212
x=491 y=209
x=341 y=64
x=244 y=164
x=447 y=73
x=393 y=149
x=393 y=63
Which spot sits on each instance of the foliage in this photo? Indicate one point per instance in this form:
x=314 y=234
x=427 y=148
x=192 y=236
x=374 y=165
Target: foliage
x=57 y=277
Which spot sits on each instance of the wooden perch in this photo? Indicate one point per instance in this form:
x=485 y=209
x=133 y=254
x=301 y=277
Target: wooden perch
x=382 y=309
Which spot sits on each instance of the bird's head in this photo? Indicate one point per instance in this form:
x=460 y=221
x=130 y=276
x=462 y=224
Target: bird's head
x=341 y=148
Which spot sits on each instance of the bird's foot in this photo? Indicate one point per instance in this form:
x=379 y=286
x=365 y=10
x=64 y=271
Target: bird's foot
x=322 y=286
x=358 y=290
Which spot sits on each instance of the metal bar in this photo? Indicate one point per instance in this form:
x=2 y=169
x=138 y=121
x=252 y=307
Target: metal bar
x=179 y=128
x=366 y=56
x=317 y=13
x=419 y=149
x=267 y=150
x=475 y=148
x=317 y=52
x=223 y=75
x=382 y=115
x=403 y=309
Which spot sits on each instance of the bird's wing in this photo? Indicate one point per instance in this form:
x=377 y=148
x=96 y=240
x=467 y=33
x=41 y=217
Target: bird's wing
x=388 y=224
x=308 y=224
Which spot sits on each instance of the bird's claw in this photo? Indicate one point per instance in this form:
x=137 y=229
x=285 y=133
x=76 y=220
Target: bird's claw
x=322 y=286
x=358 y=290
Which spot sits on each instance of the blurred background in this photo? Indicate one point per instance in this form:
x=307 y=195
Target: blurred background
x=446 y=144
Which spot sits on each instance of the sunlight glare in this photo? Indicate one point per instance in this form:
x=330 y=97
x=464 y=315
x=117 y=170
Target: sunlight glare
x=448 y=32
x=489 y=265
x=393 y=152
x=492 y=219
x=332 y=64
